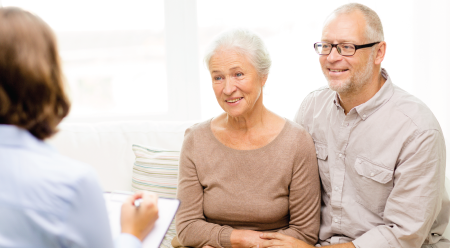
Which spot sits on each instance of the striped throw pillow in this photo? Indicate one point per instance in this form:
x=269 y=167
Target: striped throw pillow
x=156 y=170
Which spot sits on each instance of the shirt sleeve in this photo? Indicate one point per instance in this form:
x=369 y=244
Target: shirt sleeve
x=417 y=196
x=192 y=228
x=300 y=115
x=304 y=194
x=127 y=240
x=87 y=222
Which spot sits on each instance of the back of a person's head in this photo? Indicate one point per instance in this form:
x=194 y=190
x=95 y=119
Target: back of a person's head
x=32 y=92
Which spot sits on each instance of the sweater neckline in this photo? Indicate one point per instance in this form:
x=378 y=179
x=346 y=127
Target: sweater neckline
x=268 y=145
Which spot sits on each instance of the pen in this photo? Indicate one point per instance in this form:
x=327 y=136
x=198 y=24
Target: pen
x=137 y=202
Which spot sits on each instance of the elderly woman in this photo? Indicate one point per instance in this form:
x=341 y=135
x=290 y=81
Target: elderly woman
x=247 y=170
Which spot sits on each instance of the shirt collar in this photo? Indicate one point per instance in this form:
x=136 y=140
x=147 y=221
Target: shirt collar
x=379 y=99
x=337 y=101
x=14 y=136
x=373 y=104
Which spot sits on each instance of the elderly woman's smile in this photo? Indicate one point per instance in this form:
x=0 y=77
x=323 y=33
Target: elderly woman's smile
x=235 y=100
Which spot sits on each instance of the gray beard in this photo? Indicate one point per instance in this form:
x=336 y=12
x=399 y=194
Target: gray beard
x=357 y=81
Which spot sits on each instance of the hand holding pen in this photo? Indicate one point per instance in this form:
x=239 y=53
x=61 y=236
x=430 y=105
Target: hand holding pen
x=139 y=214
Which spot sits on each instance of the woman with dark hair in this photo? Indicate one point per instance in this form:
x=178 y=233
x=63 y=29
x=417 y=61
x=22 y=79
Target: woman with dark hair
x=47 y=200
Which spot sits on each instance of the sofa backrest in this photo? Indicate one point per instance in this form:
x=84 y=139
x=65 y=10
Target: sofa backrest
x=107 y=146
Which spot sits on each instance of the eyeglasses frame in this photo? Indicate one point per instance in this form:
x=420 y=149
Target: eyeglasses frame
x=356 y=47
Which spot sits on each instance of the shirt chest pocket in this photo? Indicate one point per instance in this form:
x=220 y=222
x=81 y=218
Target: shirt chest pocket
x=373 y=184
x=324 y=170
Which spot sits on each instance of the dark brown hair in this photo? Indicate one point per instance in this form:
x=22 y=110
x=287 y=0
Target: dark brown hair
x=31 y=82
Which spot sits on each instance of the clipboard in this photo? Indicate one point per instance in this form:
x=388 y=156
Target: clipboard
x=167 y=208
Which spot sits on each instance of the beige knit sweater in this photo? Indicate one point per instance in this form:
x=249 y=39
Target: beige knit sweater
x=273 y=188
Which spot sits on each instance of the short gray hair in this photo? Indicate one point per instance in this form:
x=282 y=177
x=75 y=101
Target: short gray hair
x=245 y=42
x=374 y=28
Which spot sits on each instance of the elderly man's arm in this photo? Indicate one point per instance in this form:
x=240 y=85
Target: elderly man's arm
x=413 y=204
x=302 y=111
x=416 y=199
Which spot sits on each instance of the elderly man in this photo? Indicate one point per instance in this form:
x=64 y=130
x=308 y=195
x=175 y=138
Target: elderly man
x=380 y=150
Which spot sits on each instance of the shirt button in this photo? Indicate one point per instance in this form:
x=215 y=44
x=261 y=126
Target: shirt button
x=336 y=188
x=340 y=155
x=364 y=116
x=336 y=220
x=372 y=174
x=317 y=152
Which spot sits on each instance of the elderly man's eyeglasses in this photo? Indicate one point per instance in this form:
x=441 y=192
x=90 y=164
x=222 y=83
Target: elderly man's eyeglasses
x=344 y=49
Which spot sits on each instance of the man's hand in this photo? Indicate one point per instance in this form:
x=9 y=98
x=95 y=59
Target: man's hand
x=139 y=221
x=245 y=239
x=282 y=241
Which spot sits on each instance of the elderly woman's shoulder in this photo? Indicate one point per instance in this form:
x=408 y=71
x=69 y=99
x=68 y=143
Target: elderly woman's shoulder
x=197 y=134
x=299 y=141
x=296 y=128
x=297 y=133
x=198 y=128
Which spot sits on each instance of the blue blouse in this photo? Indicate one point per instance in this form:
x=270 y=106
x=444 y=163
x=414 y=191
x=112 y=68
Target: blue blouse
x=48 y=200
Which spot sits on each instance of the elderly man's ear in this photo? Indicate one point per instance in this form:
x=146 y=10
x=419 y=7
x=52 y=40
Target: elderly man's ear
x=380 y=53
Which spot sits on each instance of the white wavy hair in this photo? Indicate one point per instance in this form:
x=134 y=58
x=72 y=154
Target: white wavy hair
x=374 y=28
x=244 y=42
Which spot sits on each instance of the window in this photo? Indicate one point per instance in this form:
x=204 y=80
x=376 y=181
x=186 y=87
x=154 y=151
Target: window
x=113 y=54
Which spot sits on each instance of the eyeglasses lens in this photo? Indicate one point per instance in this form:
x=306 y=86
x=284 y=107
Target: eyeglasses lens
x=346 y=49
x=322 y=48
x=343 y=49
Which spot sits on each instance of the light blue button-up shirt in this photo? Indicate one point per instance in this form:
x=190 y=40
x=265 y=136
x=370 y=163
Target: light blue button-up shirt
x=48 y=200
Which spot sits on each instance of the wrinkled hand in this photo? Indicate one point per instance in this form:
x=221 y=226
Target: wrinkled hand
x=282 y=241
x=139 y=221
x=245 y=239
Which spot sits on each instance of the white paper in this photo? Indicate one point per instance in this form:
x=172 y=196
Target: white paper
x=167 y=209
